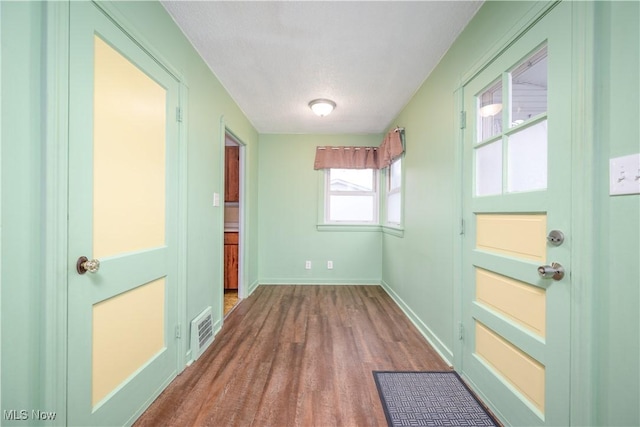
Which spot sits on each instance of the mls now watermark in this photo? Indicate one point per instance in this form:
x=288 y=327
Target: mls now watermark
x=24 y=415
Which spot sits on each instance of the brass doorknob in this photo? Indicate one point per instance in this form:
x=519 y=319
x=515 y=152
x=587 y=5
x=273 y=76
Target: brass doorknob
x=85 y=264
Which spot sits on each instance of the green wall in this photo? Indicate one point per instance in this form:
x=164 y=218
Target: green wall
x=617 y=288
x=208 y=106
x=24 y=114
x=22 y=205
x=419 y=267
x=289 y=197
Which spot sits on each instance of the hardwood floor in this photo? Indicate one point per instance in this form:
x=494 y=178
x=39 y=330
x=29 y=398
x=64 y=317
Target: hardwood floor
x=297 y=356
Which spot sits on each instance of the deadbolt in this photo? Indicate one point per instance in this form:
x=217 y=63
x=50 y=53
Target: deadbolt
x=555 y=237
x=85 y=264
x=555 y=271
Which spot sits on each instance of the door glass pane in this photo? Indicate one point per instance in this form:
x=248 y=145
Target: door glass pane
x=489 y=111
x=351 y=179
x=128 y=156
x=529 y=88
x=527 y=159
x=489 y=169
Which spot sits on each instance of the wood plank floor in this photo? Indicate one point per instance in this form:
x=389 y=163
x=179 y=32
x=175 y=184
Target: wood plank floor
x=297 y=356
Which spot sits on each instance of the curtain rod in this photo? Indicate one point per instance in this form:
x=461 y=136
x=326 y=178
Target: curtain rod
x=346 y=148
x=398 y=129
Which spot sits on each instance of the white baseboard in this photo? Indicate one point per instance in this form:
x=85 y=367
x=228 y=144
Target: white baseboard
x=307 y=281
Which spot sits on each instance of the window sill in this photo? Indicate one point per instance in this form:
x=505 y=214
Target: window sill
x=348 y=227
x=393 y=230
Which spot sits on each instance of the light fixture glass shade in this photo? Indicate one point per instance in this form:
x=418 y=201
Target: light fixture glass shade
x=322 y=107
x=490 y=110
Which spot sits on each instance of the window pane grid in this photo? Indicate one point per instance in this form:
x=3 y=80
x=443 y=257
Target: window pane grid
x=513 y=158
x=351 y=196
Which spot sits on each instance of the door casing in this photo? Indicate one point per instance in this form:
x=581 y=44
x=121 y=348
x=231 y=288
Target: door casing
x=243 y=290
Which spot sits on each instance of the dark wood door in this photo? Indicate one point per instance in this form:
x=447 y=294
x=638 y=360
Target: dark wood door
x=232 y=174
x=231 y=260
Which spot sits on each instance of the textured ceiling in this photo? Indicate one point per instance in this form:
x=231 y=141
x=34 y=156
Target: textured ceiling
x=275 y=57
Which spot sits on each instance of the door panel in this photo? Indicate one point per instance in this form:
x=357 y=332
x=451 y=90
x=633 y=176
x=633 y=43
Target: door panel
x=518 y=235
x=130 y=132
x=133 y=320
x=512 y=364
x=521 y=302
x=122 y=211
x=516 y=162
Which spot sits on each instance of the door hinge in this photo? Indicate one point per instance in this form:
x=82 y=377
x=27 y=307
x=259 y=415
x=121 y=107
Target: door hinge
x=179 y=114
x=178 y=331
x=462 y=227
x=460 y=331
x=463 y=119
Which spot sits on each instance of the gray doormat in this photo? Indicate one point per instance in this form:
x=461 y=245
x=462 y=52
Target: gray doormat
x=429 y=399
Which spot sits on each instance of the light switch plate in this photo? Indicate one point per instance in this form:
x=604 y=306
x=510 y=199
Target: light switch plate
x=216 y=199
x=624 y=175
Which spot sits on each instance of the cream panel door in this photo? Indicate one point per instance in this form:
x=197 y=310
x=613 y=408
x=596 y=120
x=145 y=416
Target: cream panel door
x=516 y=189
x=122 y=212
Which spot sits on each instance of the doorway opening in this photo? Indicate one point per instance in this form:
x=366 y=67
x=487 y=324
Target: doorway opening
x=233 y=221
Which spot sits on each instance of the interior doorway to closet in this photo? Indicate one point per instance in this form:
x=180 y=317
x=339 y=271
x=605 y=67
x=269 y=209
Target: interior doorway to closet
x=233 y=221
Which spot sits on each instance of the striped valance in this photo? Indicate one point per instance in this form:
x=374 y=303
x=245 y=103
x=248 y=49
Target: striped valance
x=349 y=157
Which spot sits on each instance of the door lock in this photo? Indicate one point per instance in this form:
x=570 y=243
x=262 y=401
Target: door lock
x=555 y=237
x=555 y=271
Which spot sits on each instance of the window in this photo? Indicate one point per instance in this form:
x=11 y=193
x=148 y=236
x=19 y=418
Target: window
x=351 y=196
x=394 y=192
x=513 y=158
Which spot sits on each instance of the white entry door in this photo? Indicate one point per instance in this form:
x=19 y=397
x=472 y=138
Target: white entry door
x=517 y=200
x=122 y=213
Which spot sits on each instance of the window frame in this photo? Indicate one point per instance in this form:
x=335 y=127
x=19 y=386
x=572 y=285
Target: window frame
x=324 y=224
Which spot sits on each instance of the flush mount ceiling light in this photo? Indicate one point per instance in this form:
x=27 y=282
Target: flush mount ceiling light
x=322 y=107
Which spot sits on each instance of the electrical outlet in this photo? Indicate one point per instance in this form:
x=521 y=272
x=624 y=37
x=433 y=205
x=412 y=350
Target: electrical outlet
x=329 y=265
x=307 y=265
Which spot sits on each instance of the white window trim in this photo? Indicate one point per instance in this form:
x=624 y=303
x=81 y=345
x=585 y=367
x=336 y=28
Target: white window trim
x=374 y=224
